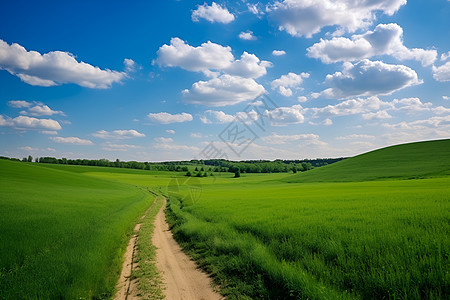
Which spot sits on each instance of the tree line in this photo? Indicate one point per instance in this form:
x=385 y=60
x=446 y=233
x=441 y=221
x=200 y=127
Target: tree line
x=210 y=165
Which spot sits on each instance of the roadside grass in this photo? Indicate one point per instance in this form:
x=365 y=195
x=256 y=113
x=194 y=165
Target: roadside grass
x=63 y=234
x=386 y=239
x=149 y=279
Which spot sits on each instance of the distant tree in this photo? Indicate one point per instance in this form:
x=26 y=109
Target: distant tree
x=199 y=174
x=202 y=169
x=188 y=174
x=294 y=169
x=237 y=173
x=30 y=158
x=36 y=159
x=24 y=159
x=196 y=169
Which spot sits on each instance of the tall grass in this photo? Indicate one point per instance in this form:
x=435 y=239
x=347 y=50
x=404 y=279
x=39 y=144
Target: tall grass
x=370 y=240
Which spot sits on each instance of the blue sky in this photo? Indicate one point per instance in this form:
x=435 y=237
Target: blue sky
x=171 y=80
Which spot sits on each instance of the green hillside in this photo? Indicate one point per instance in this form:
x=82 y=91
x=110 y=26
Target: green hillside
x=405 y=161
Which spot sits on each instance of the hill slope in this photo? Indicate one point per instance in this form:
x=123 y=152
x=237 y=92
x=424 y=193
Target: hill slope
x=405 y=161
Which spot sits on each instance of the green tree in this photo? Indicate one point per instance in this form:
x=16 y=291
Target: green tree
x=30 y=158
x=237 y=173
x=188 y=174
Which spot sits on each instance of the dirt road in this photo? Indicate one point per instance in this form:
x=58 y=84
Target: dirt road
x=182 y=278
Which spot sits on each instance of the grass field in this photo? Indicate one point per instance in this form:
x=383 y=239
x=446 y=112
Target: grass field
x=63 y=233
x=373 y=226
x=263 y=237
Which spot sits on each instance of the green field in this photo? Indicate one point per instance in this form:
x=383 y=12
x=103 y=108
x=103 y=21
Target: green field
x=263 y=237
x=370 y=227
x=63 y=234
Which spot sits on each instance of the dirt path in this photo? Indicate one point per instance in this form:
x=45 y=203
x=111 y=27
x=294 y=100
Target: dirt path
x=182 y=278
x=126 y=286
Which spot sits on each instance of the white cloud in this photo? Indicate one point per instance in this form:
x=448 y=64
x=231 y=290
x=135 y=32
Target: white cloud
x=285 y=82
x=442 y=73
x=118 y=134
x=130 y=65
x=279 y=139
x=355 y=137
x=71 y=140
x=118 y=147
x=170 y=131
x=247 y=36
x=249 y=66
x=19 y=103
x=440 y=110
x=196 y=135
x=445 y=97
x=411 y=105
x=167 y=118
x=307 y=17
x=445 y=56
x=49 y=132
x=211 y=59
x=254 y=9
x=43 y=110
x=223 y=90
x=278 y=52
x=350 y=107
x=433 y=122
x=54 y=68
x=197 y=59
x=282 y=116
x=386 y=39
x=24 y=122
x=302 y=99
x=381 y=114
x=367 y=78
x=214 y=13
x=212 y=116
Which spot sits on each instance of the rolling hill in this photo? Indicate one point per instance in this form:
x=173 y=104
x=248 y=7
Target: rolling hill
x=405 y=161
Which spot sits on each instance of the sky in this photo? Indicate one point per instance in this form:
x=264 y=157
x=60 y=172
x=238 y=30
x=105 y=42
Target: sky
x=180 y=80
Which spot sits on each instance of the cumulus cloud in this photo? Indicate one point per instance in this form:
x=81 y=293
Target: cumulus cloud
x=282 y=116
x=43 y=110
x=167 y=118
x=25 y=123
x=247 y=36
x=445 y=56
x=366 y=78
x=279 y=139
x=220 y=117
x=210 y=58
x=385 y=39
x=249 y=66
x=278 y=52
x=71 y=140
x=214 y=13
x=305 y=18
x=170 y=131
x=442 y=73
x=118 y=134
x=54 y=68
x=19 y=103
x=223 y=90
x=288 y=81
